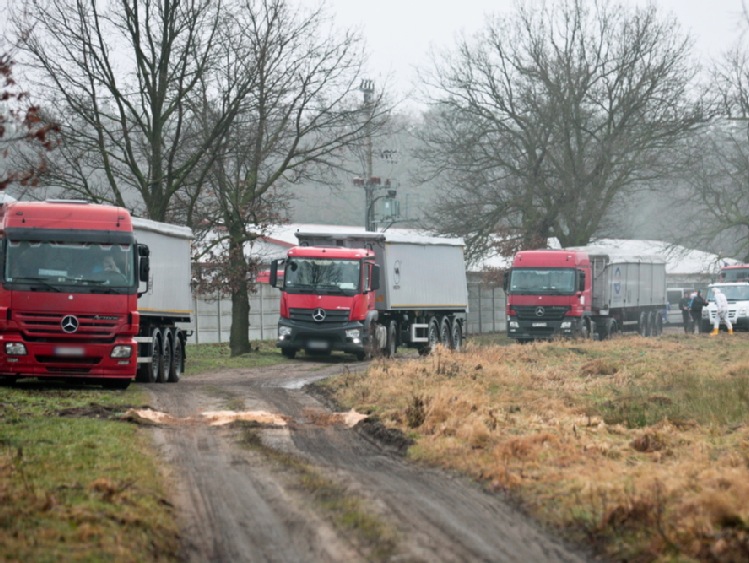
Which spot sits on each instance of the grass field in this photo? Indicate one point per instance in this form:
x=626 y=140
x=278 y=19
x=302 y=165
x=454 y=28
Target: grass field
x=636 y=446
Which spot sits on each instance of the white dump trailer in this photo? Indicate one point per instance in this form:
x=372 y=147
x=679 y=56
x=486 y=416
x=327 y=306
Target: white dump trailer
x=165 y=304
x=365 y=292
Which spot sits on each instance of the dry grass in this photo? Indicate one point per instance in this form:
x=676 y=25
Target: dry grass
x=638 y=446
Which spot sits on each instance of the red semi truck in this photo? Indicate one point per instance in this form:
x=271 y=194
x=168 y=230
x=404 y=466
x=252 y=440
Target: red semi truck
x=572 y=293
x=64 y=315
x=363 y=293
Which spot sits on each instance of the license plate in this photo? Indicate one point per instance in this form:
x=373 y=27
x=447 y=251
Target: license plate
x=68 y=351
x=317 y=345
x=539 y=324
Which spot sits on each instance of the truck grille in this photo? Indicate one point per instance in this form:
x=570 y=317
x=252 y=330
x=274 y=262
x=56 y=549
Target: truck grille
x=540 y=313
x=309 y=315
x=48 y=326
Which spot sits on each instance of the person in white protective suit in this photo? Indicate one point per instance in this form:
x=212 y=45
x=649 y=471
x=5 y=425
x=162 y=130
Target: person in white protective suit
x=721 y=313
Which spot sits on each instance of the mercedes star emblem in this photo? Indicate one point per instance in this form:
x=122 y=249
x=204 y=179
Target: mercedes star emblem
x=319 y=315
x=69 y=323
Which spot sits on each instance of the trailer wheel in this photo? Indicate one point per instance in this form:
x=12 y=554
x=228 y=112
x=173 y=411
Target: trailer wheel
x=177 y=364
x=166 y=350
x=392 y=340
x=457 y=335
x=656 y=323
x=157 y=357
x=433 y=335
x=643 y=325
x=446 y=332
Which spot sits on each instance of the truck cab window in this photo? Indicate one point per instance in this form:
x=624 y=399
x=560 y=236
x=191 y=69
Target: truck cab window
x=69 y=264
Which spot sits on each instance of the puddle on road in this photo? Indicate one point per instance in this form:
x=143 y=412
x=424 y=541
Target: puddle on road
x=221 y=418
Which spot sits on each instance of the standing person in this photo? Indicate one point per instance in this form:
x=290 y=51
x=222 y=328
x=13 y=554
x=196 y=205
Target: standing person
x=686 y=315
x=721 y=314
x=698 y=303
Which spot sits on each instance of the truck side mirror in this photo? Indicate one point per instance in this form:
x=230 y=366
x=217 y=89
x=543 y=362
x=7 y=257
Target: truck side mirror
x=374 y=280
x=506 y=280
x=274 y=273
x=581 y=282
x=144 y=266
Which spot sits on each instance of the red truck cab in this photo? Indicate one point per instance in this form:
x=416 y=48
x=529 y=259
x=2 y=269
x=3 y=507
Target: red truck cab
x=327 y=299
x=548 y=293
x=62 y=315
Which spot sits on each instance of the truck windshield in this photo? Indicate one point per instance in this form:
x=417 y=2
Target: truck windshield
x=315 y=275
x=559 y=281
x=732 y=293
x=50 y=265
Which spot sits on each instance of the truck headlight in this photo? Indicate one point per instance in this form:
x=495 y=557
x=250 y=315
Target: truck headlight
x=514 y=324
x=566 y=324
x=283 y=332
x=15 y=349
x=353 y=334
x=119 y=352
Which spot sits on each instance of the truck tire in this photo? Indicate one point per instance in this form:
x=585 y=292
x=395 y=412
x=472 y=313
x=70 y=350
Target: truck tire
x=457 y=335
x=157 y=357
x=433 y=333
x=392 y=340
x=656 y=323
x=608 y=329
x=289 y=353
x=446 y=330
x=167 y=349
x=643 y=326
x=177 y=364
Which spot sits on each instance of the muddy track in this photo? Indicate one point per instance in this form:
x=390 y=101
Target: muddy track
x=238 y=504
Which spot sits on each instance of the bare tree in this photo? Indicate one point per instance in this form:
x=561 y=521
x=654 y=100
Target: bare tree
x=23 y=131
x=716 y=168
x=296 y=122
x=550 y=117
x=123 y=75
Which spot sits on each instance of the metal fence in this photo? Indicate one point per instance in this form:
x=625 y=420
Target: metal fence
x=212 y=318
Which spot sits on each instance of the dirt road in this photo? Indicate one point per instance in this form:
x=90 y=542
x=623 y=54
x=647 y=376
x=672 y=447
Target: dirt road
x=237 y=503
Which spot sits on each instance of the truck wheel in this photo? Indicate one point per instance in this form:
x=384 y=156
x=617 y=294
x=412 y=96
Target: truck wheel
x=605 y=328
x=177 y=364
x=392 y=340
x=656 y=323
x=583 y=330
x=457 y=335
x=433 y=335
x=643 y=326
x=166 y=349
x=288 y=353
x=157 y=357
x=446 y=332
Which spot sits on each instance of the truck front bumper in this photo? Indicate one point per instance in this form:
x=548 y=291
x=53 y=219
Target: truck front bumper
x=542 y=329
x=348 y=337
x=44 y=359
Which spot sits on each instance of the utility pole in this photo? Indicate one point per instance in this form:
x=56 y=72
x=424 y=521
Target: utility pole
x=367 y=89
x=370 y=182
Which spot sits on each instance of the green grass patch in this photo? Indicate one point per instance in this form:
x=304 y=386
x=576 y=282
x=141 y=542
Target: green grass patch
x=77 y=483
x=203 y=358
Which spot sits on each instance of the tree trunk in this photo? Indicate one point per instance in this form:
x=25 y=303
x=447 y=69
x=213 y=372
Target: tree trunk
x=239 y=342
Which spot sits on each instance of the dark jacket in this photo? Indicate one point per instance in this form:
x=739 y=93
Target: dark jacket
x=698 y=303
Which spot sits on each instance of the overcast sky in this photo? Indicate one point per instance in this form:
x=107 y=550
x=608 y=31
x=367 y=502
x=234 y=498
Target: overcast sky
x=400 y=34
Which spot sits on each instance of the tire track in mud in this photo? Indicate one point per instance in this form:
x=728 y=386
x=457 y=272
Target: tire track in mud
x=235 y=504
